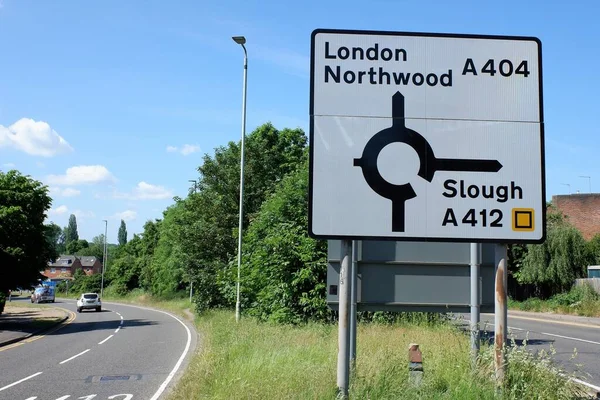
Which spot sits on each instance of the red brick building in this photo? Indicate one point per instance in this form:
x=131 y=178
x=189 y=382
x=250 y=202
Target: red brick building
x=66 y=265
x=582 y=211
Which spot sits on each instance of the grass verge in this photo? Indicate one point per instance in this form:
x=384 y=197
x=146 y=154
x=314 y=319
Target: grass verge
x=254 y=360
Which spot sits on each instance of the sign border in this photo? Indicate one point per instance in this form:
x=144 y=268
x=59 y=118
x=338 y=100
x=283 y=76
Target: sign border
x=417 y=238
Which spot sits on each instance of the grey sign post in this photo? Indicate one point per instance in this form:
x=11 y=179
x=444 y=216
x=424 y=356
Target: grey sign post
x=475 y=302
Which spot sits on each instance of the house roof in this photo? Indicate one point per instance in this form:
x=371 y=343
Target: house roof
x=67 y=260
x=63 y=261
x=88 y=261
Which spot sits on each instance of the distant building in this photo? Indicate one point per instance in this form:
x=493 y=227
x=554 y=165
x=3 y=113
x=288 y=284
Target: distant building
x=582 y=210
x=65 y=266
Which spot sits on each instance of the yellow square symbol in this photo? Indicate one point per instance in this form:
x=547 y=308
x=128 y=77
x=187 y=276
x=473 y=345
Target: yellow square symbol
x=523 y=219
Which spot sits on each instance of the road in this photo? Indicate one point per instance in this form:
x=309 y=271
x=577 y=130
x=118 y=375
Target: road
x=122 y=353
x=576 y=340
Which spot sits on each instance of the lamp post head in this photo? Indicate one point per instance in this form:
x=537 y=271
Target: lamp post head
x=239 y=39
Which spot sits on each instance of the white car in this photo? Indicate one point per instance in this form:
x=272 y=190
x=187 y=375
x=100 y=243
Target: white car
x=89 y=301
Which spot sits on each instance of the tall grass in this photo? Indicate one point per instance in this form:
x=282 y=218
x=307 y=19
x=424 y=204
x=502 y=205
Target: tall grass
x=252 y=360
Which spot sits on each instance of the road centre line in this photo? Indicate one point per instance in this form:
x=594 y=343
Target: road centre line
x=75 y=356
x=20 y=381
x=117 y=330
x=102 y=342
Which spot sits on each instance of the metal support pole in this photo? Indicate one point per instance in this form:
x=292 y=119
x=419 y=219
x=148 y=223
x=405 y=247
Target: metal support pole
x=353 y=291
x=501 y=315
x=475 y=300
x=191 y=289
x=239 y=258
x=104 y=259
x=343 y=364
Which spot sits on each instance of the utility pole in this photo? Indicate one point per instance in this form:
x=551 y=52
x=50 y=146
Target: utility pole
x=104 y=257
x=190 y=272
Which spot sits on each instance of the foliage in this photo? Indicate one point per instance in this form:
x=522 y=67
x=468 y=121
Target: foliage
x=209 y=219
x=284 y=270
x=71 y=234
x=76 y=246
x=25 y=247
x=554 y=265
x=95 y=249
x=122 y=233
x=593 y=249
x=580 y=300
x=54 y=237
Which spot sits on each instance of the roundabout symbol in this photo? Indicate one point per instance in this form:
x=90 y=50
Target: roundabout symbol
x=428 y=163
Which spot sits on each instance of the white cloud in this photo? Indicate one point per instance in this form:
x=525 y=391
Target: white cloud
x=60 y=210
x=79 y=214
x=40 y=164
x=127 y=215
x=82 y=174
x=66 y=192
x=186 y=149
x=9 y=165
x=146 y=191
x=33 y=137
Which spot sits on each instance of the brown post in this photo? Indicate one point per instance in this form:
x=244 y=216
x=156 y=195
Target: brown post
x=415 y=364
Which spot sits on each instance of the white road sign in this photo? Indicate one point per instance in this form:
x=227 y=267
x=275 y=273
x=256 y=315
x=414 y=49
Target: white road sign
x=426 y=137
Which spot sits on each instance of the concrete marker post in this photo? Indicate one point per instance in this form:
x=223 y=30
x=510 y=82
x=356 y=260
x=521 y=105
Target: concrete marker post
x=343 y=362
x=415 y=364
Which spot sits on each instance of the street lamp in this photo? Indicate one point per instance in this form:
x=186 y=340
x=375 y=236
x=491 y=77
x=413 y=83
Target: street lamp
x=194 y=182
x=241 y=41
x=566 y=184
x=589 y=178
x=103 y=259
x=190 y=272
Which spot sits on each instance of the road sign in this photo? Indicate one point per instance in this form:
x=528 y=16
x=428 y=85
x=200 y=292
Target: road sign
x=426 y=137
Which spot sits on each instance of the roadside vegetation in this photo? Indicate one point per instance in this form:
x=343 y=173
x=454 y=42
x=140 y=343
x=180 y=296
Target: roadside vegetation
x=285 y=345
x=580 y=300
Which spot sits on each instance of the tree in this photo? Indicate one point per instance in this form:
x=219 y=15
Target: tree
x=554 y=265
x=53 y=236
x=75 y=247
x=71 y=232
x=284 y=270
x=25 y=248
x=95 y=249
x=207 y=231
x=122 y=233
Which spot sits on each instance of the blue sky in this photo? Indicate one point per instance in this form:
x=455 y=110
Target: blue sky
x=113 y=103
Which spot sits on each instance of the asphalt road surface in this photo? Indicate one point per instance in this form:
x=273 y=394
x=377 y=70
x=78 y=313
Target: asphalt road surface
x=576 y=341
x=122 y=353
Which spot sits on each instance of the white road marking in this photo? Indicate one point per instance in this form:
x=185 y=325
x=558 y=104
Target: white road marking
x=597 y=388
x=571 y=338
x=102 y=342
x=20 y=381
x=515 y=329
x=64 y=397
x=117 y=330
x=75 y=356
x=31 y=398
